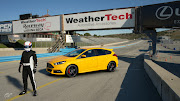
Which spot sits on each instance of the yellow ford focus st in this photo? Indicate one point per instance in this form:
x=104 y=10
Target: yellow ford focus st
x=83 y=60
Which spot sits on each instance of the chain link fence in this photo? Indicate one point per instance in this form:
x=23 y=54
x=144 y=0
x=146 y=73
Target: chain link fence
x=42 y=44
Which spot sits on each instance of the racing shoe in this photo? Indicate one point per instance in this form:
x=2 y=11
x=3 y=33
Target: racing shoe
x=34 y=93
x=22 y=93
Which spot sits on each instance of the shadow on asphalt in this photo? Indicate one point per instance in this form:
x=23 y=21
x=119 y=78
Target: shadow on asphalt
x=15 y=82
x=171 y=52
x=136 y=85
x=43 y=71
x=93 y=73
x=141 y=50
x=171 y=67
x=146 y=50
x=164 y=51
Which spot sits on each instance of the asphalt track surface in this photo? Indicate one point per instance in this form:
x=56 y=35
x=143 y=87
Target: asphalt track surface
x=128 y=83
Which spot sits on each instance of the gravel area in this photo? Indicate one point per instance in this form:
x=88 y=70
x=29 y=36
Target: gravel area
x=168 y=59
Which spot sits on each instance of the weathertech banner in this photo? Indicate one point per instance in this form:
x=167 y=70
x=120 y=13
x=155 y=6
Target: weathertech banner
x=117 y=18
x=166 y=15
x=5 y=28
x=45 y=24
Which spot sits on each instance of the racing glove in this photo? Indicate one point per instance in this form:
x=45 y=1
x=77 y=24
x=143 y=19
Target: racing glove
x=20 y=68
x=34 y=70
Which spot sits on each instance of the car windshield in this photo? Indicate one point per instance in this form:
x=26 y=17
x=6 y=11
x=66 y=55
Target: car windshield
x=74 y=53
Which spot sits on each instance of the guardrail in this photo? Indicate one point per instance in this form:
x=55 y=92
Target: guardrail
x=167 y=84
x=18 y=57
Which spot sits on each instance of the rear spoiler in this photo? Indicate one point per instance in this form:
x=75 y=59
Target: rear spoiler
x=110 y=49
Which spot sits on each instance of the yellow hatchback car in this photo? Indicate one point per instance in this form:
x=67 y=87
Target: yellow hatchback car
x=83 y=60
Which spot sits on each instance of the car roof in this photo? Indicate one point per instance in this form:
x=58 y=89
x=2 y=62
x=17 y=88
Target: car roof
x=97 y=48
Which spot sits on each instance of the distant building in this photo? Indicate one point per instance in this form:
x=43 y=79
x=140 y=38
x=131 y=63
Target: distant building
x=47 y=15
x=4 y=39
x=164 y=37
x=34 y=37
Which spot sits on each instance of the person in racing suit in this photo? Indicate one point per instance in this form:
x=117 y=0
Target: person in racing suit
x=29 y=63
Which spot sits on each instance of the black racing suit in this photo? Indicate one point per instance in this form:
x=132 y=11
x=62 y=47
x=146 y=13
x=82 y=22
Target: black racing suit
x=29 y=62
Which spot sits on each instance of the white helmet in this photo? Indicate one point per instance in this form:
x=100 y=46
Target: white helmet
x=27 y=46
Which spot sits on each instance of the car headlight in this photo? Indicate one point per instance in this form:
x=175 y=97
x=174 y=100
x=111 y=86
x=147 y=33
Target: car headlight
x=58 y=63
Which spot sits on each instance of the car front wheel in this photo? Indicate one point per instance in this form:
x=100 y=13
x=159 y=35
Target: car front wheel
x=71 y=71
x=111 y=66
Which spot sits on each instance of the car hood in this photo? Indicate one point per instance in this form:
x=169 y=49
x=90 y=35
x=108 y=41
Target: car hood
x=60 y=58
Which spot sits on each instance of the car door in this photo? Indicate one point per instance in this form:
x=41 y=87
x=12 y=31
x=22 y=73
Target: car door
x=88 y=63
x=103 y=58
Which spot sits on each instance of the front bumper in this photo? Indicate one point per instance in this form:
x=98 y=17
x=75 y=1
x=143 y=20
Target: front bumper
x=55 y=69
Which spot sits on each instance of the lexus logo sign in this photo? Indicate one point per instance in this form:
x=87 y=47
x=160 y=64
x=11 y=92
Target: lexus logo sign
x=164 y=12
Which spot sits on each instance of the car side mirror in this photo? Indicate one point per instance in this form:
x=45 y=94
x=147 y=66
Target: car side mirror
x=83 y=56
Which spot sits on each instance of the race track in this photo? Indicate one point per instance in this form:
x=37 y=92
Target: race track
x=128 y=83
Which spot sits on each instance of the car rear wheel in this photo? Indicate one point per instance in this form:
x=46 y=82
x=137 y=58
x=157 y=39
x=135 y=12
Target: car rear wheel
x=111 y=66
x=71 y=71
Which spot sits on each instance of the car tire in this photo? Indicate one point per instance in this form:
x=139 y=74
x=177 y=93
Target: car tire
x=71 y=71
x=111 y=66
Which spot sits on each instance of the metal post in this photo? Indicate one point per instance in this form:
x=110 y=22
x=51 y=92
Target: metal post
x=63 y=38
x=154 y=40
x=62 y=30
x=152 y=34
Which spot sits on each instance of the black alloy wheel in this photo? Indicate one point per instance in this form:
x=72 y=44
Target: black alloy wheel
x=111 y=66
x=71 y=71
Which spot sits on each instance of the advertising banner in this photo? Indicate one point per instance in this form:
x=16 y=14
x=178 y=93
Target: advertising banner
x=46 y=24
x=117 y=18
x=166 y=15
x=5 y=28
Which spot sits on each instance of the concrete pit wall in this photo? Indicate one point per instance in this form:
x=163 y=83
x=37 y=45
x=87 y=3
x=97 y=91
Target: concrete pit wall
x=167 y=84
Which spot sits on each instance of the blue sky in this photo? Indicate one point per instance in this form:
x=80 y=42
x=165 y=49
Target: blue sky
x=11 y=9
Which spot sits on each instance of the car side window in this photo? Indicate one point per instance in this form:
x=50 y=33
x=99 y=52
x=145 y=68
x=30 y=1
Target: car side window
x=108 y=52
x=100 y=52
x=90 y=53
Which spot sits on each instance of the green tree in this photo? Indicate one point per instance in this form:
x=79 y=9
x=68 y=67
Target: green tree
x=95 y=35
x=87 y=34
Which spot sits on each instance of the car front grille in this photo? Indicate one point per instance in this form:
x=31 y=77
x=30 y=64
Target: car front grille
x=57 y=71
x=49 y=65
x=49 y=70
